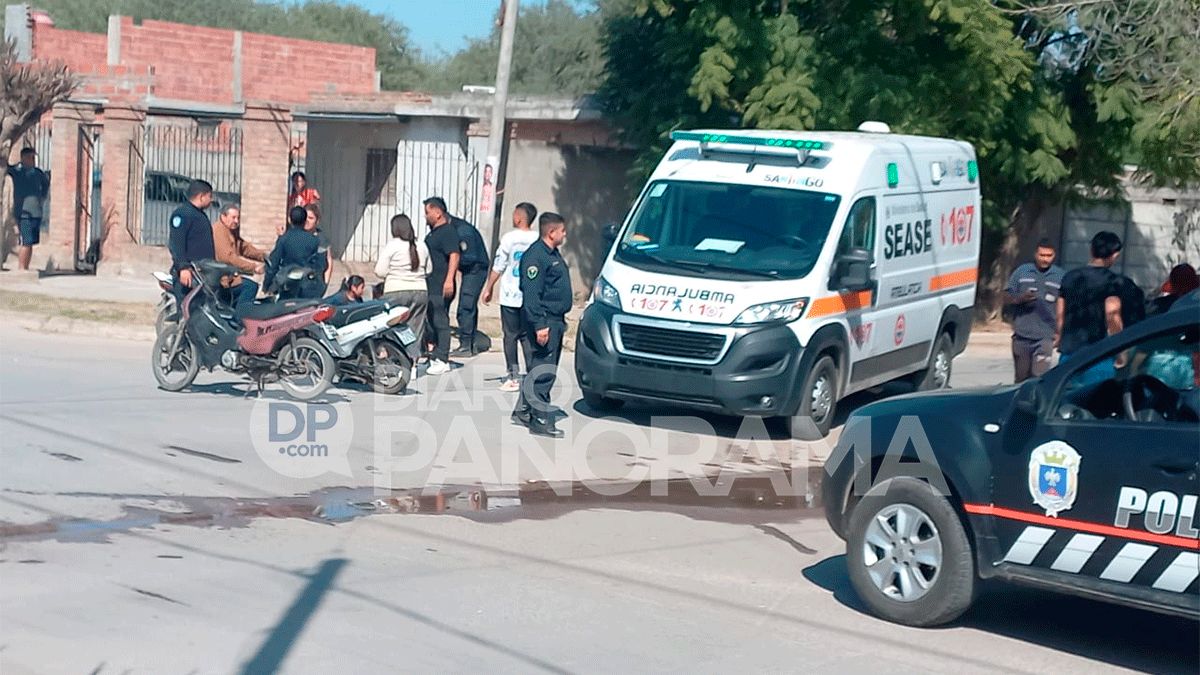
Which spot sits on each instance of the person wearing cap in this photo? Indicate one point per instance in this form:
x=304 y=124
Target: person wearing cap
x=30 y=188
x=1181 y=281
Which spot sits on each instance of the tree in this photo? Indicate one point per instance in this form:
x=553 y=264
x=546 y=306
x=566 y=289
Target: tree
x=1045 y=123
x=27 y=91
x=400 y=64
x=558 y=51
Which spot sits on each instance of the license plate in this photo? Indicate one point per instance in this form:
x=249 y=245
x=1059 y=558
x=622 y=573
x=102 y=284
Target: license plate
x=407 y=337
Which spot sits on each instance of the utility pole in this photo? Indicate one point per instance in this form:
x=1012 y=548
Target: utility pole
x=491 y=171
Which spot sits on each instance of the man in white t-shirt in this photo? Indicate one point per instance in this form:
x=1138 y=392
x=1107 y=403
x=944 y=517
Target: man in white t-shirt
x=506 y=269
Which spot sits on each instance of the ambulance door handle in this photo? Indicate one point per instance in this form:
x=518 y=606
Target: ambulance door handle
x=1173 y=468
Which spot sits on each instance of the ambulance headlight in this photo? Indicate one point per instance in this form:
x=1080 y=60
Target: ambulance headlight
x=606 y=294
x=770 y=312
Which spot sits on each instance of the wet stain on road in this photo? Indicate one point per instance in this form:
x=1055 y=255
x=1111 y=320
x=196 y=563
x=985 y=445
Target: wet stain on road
x=751 y=499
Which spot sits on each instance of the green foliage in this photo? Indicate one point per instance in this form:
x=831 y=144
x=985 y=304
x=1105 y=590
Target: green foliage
x=400 y=64
x=556 y=51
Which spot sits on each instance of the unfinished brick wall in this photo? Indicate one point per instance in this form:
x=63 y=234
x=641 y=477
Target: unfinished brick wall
x=194 y=63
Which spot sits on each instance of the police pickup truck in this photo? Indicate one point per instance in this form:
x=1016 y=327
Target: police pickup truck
x=1070 y=482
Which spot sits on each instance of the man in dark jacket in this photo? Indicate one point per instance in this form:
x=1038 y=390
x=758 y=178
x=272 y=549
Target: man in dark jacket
x=473 y=266
x=297 y=248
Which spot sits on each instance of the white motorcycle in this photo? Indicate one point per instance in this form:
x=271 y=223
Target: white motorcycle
x=370 y=341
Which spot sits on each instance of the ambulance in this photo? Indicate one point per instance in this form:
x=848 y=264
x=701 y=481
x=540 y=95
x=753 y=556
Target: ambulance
x=772 y=273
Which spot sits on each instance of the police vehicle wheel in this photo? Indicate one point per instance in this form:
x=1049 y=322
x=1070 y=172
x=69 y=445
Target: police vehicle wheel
x=941 y=362
x=308 y=369
x=908 y=556
x=600 y=403
x=818 y=402
x=175 y=366
x=393 y=369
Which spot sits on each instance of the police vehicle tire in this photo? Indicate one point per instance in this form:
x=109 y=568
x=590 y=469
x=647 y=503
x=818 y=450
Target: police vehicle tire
x=385 y=381
x=317 y=358
x=936 y=375
x=188 y=352
x=600 y=403
x=820 y=389
x=953 y=584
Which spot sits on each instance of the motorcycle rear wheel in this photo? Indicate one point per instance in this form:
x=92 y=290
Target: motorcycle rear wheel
x=175 y=364
x=307 y=369
x=393 y=368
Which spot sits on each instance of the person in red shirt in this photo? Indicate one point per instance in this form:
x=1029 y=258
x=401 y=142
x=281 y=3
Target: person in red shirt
x=301 y=194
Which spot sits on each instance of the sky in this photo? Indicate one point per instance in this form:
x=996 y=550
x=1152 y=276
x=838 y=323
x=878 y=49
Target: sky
x=440 y=25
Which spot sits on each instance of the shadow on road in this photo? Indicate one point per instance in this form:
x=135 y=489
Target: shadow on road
x=1107 y=633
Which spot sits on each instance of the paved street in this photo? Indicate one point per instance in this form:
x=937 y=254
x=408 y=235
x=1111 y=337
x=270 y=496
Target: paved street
x=151 y=532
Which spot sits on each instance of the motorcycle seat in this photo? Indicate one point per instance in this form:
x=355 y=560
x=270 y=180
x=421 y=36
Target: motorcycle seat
x=270 y=310
x=359 y=311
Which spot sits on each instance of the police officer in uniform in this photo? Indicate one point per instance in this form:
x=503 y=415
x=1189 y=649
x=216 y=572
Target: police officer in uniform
x=546 y=289
x=191 y=239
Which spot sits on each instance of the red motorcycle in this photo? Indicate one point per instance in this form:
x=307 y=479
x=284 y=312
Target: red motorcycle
x=269 y=342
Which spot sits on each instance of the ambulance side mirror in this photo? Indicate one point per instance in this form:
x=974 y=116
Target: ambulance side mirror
x=852 y=270
x=609 y=232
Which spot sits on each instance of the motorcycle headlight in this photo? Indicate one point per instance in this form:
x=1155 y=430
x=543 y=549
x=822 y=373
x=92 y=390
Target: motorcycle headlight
x=605 y=293
x=769 y=312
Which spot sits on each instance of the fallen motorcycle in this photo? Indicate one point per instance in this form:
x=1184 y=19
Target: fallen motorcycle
x=371 y=341
x=269 y=342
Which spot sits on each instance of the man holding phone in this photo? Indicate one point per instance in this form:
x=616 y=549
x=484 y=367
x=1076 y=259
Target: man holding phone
x=1032 y=293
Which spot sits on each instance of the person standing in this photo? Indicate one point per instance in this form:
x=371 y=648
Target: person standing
x=506 y=268
x=403 y=264
x=312 y=225
x=1089 y=305
x=546 y=299
x=301 y=194
x=30 y=188
x=473 y=265
x=1032 y=292
x=445 y=254
x=297 y=248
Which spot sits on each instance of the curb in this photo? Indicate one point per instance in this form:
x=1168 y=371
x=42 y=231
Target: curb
x=66 y=326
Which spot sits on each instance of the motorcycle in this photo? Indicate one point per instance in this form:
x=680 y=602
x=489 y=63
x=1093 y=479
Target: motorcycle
x=165 y=312
x=371 y=341
x=272 y=341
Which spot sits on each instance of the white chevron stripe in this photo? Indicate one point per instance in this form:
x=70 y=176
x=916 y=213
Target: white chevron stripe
x=1180 y=573
x=1126 y=563
x=1028 y=545
x=1076 y=553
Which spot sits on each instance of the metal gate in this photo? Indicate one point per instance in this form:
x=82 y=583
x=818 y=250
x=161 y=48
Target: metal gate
x=172 y=156
x=89 y=220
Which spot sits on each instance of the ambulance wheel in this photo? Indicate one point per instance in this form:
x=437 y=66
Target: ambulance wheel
x=600 y=403
x=818 y=402
x=936 y=375
x=907 y=555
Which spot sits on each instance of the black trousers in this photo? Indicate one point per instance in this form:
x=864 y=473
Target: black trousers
x=468 y=303
x=514 y=334
x=437 y=323
x=535 y=390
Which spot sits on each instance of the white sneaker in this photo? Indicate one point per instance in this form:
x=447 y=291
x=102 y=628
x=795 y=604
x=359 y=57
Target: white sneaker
x=510 y=384
x=437 y=367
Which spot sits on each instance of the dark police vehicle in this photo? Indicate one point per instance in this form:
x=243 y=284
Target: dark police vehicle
x=1083 y=481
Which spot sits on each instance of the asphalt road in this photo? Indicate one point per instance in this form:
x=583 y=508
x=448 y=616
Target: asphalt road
x=142 y=531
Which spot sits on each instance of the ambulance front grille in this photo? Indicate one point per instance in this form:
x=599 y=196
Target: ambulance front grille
x=680 y=344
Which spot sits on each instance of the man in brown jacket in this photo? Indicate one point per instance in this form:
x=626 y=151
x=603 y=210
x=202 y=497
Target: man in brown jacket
x=231 y=248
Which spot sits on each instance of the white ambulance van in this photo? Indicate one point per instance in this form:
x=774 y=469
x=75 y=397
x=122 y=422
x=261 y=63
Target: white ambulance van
x=771 y=273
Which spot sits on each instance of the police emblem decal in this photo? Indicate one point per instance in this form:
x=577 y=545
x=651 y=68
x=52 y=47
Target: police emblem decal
x=1054 y=476
x=532 y=272
x=176 y=221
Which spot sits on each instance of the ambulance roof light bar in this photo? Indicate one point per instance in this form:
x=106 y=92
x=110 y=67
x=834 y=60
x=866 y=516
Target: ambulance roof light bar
x=763 y=141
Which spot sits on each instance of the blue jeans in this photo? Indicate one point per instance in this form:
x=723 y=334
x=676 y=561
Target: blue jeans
x=1101 y=371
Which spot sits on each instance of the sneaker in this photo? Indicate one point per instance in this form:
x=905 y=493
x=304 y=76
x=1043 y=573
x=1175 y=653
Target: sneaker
x=437 y=367
x=510 y=385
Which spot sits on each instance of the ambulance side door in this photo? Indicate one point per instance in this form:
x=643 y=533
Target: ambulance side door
x=858 y=236
x=1095 y=498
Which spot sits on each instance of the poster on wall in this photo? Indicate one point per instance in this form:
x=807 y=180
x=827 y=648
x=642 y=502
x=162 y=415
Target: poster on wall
x=487 y=202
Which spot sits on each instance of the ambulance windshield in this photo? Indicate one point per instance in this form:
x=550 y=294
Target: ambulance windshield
x=731 y=231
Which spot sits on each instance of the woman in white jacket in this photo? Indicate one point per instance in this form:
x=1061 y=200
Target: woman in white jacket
x=403 y=264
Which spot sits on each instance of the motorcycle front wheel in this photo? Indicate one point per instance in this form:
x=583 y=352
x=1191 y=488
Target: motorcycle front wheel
x=393 y=368
x=175 y=360
x=306 y=369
